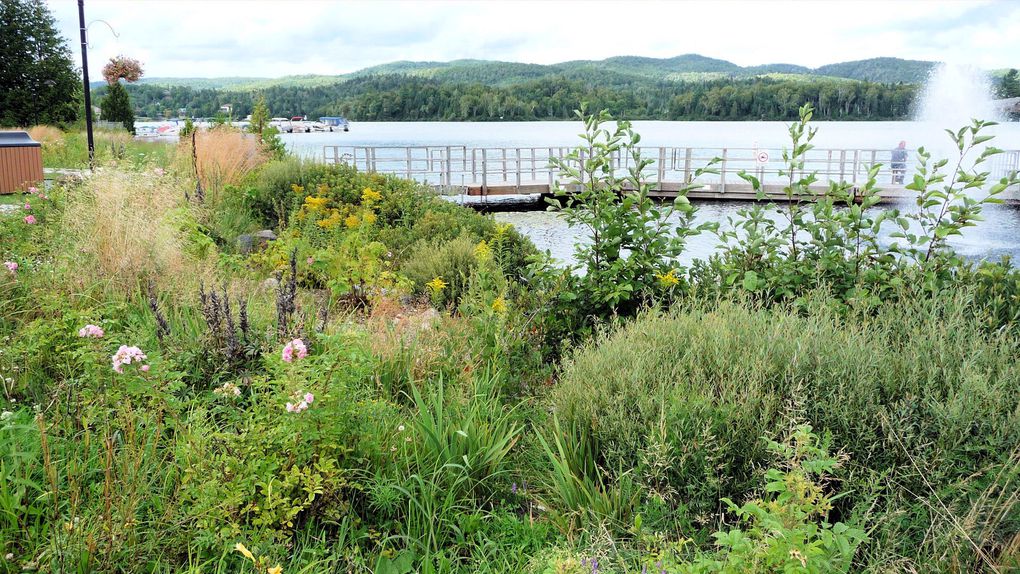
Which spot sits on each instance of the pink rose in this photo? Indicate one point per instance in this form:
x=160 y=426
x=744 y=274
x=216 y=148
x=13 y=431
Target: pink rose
x=11 y=266
x=145 y=368
x=30 y=219
x=28 y=207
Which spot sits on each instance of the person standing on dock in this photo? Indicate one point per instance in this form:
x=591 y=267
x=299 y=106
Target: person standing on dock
x=899 y=163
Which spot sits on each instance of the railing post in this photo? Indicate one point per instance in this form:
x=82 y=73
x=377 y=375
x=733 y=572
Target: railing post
x=407 y=150
x=448 y=167
x=485 y=172
x=722 y=173
x=504 y=163
x=518 y=169
x=661 y=171
x=687 y=166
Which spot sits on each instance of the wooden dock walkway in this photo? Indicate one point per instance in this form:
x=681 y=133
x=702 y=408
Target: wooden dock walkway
x=520 y=171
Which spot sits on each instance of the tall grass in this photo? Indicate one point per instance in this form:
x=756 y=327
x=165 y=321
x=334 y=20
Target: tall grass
x=133 y=227
x=223 y=156
x=924 y=402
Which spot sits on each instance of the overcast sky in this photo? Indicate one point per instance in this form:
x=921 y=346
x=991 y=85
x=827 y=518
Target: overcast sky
x=209 y=38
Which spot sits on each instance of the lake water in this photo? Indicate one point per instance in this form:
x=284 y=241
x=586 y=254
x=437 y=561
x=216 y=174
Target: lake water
x=998 y=235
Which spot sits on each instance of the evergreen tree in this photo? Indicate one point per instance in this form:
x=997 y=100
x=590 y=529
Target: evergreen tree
x=1009 y=87
x=38 y=80
x=116 y=107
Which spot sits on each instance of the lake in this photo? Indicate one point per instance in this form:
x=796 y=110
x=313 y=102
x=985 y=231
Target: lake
x=998 y=235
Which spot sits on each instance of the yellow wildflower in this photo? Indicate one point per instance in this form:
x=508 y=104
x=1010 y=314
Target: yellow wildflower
x=368 y=195
x=482 y=251
x=275 y=570
x=297 y=188
x=247 y=553
x=502 y=228
x=669 y=279
x=323 y=189
x=499 y=305
x=369 y=218
x=316 y=203
x=436 y=285
x=352 y=221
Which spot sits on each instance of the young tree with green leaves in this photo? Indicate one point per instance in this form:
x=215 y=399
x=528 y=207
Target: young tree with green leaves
x=38 y=80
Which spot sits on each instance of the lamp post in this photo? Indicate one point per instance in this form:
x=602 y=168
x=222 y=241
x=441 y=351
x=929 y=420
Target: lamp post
x=85 y=81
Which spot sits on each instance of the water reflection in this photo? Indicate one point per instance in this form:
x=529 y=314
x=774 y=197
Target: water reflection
x=998 y=235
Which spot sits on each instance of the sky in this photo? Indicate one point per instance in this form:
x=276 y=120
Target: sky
x=272 y=38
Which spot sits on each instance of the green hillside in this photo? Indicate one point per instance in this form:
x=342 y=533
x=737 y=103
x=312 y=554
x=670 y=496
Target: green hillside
x=885 y=70
x=684 y=68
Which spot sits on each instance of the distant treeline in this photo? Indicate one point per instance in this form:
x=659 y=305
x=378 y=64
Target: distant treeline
x=409 y=98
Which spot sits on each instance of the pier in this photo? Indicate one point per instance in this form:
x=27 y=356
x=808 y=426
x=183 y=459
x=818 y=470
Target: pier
x=520 y=171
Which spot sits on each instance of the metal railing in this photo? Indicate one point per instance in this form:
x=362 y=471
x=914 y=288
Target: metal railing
x=525 y=168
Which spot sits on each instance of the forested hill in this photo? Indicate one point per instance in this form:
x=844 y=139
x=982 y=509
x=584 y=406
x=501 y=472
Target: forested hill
x=680 y=68
x=396 y=97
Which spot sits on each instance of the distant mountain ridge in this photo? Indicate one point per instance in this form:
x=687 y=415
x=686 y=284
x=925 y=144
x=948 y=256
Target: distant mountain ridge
x=686 y=67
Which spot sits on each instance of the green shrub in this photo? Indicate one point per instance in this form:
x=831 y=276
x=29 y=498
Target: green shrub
x=924 y=401
x=452 y=262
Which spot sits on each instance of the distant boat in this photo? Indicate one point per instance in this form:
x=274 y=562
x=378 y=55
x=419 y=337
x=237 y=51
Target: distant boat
x=335 y=123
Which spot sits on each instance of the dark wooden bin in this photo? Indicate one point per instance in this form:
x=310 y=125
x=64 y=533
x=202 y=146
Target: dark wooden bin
x=20 y=162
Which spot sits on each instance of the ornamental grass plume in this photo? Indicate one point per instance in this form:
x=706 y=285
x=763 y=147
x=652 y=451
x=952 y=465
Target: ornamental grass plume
x=124 y=228
x=223 y=156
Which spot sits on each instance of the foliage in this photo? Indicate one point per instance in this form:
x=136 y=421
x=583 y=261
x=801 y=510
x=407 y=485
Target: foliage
x=116 y=107
x=552 y=96
x=1009 y=85
x=38 y=80
x=680 y=399
x=373 y=390
x=633 y=242
x=789 y=530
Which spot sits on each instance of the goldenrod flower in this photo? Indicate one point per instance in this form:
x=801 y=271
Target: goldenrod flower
x=316 y=203
x=436 y=285
x=244 y=551
x=368 y=195
x=275 y=570
x=502 y=228
x=352 y=221
x=499 y=305
x=369 y=218
x=297 y=188
x=669 y=279
x=482 y=251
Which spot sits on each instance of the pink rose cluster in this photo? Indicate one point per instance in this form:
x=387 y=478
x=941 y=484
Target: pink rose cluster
x=11 y=266
x=126 y=355
x=294 y=350
x=301 y=402
x=93 y=331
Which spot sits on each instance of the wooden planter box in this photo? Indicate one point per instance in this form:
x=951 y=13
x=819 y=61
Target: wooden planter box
x=20 y=162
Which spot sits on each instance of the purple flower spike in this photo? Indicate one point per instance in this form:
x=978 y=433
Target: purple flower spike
x=513 y=488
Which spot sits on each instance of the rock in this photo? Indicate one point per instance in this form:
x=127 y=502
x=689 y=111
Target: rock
x=245 y=243
x=249 y=242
